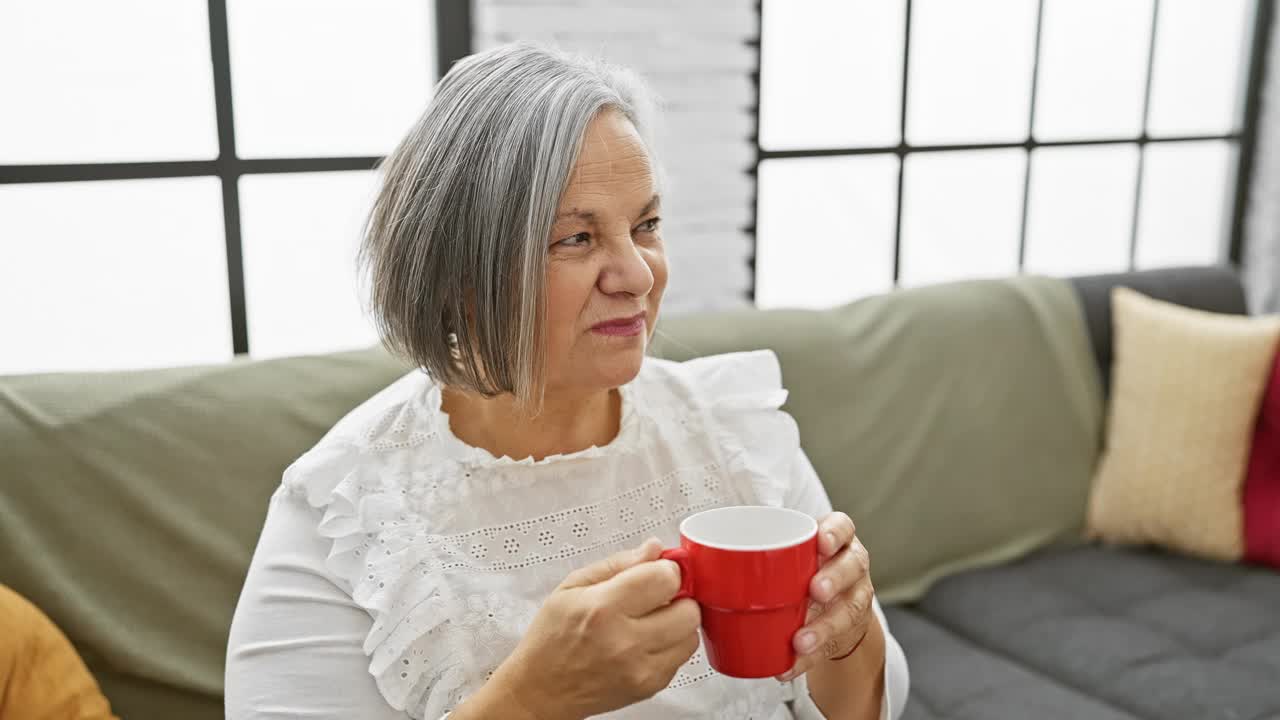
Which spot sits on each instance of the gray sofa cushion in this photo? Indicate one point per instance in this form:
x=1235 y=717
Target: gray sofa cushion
x=1144 y=634
x=952 y=677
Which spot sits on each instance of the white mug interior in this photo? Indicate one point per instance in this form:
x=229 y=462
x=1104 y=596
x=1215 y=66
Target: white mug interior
x=749 y=527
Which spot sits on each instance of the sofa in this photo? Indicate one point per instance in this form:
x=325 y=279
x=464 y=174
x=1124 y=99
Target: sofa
x=958 y=424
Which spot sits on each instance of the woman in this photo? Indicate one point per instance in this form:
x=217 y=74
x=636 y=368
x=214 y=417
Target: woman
x=481 y=538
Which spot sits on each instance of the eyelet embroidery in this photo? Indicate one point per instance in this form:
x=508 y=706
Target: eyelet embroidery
x=495 y=622
x=398 y=428
x=581 y=530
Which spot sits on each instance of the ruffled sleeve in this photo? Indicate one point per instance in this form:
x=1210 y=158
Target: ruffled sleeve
x=390 y=566
x=743 y=394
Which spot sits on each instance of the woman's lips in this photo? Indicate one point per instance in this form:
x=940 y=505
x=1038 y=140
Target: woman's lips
x=633 y=325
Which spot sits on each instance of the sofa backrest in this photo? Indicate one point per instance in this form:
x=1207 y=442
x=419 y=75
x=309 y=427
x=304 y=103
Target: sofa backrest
x=131 y=502
x=1215 y=289
x=957 y=424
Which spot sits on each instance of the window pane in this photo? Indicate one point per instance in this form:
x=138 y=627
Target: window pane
x=961 y=214
x=1093 y=68
x=1183 y=216
x=1080 y=209
x=831 y=73
x=328 y=77
x=300 y=237
x=87 y=81
x=970 y=71
x=112 y=275
x=1201 y=56
x=825 y=229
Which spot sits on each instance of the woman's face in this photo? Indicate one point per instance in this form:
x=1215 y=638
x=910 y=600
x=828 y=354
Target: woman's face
x=606 y=265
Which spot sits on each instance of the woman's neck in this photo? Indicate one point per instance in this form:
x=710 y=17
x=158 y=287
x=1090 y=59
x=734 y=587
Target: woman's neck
x=569 y=422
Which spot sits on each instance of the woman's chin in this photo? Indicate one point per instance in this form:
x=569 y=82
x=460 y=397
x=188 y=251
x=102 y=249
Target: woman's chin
x=619 y=367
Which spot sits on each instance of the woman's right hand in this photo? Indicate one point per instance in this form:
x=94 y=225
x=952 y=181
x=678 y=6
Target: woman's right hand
x=608 y=636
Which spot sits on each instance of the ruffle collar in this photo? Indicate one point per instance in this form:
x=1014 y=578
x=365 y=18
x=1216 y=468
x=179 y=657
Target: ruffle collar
x=627 y=439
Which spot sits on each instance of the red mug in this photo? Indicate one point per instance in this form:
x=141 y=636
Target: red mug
x=749 y=568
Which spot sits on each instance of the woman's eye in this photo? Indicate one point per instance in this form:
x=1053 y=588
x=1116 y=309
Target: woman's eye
x=575 y=240
x=649 y=225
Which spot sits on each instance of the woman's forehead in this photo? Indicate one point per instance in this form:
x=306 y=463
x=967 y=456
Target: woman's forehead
x=611 y=151
x=613 y=168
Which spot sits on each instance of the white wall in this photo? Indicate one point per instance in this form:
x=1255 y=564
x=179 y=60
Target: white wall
x=697 y=58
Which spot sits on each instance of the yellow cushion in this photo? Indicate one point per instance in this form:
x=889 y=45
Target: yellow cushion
x=1185 y=394
x=41 y=676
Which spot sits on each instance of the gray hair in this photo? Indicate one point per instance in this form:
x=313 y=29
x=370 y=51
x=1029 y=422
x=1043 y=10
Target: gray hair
x=455 y=248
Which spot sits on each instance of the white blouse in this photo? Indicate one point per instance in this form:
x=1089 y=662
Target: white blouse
x=399 y=566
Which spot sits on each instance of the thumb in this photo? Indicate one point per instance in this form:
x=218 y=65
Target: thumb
x=605 y=569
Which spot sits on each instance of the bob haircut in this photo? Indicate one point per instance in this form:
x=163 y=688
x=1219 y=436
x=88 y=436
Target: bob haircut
x=454 y=251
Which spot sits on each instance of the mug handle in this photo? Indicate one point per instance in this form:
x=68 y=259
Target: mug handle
x=680 y=556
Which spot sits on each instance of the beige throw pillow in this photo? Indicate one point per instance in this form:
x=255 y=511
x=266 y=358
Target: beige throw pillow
x=1186 y=385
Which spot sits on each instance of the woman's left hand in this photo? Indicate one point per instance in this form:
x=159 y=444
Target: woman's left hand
x=840 y=598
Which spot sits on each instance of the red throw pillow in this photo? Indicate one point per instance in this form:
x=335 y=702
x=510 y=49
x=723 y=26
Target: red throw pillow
x=1262 y=483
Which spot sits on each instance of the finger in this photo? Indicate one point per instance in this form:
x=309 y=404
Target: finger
x=815 y=609
x=671 y=625
x=641 y=589
x=803 y=664
x=834 y=629
x=678 y=653
x=841 y=572
x=834 y=532
x=609 y=567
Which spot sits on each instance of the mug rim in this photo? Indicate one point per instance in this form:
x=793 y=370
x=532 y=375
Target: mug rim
x=755 y=547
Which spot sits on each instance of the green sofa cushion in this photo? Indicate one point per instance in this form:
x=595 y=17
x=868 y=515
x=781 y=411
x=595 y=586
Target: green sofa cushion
x=131 y=502
x=957 y=424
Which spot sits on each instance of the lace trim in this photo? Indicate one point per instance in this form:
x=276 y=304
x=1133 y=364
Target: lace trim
x=390 y=526
x=420 y=421
x=626 y=441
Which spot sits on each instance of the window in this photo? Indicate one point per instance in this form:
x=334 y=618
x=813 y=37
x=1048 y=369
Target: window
x=904 y=142
x=181 y=180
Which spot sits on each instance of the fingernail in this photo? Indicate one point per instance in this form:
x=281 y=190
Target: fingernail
x=831 y=540
x=807 y=642
x=825 y=586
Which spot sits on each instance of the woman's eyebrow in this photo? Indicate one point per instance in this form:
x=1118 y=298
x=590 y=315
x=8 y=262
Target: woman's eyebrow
x=653 y=204
x=590 y=215
x=575 y=212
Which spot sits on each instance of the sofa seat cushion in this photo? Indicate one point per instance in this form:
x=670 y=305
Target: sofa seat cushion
x=1146 y=633
x=954 y=677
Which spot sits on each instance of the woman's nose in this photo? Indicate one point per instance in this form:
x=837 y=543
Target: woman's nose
x=627 y=271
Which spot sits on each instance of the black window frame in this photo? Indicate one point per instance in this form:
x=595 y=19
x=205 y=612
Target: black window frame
x=1245 y=138
x=453 y=41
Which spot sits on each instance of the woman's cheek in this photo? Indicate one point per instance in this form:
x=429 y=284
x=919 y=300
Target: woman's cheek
x=566 y=301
